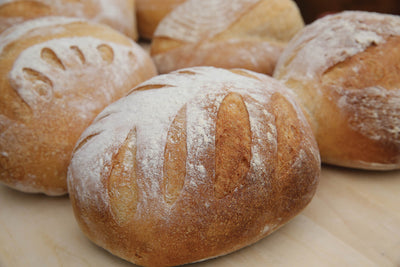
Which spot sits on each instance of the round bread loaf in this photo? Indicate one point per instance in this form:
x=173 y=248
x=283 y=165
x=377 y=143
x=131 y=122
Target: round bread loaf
x=248 y=34
x=118 y=14
x=192 y=165
x=344 y=70
x=56 y=75
x=149 y=13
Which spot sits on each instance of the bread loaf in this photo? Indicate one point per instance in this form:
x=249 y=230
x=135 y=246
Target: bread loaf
x=56 y=74
x=344 y=70
x=150 y=12
x=119 y=14
x=246 y=34
x=193 y=165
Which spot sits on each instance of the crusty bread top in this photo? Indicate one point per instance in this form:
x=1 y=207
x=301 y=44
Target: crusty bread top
x=179 y=90
x=332 y=39
x=195 y=21
x=119 y=14
x=56 y=74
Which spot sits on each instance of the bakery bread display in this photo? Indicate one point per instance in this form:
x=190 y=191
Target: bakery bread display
x=344 y=69
x=192 y=165
x=118 y=14
x=56 y=75
x=149 y=13
x=248 y=34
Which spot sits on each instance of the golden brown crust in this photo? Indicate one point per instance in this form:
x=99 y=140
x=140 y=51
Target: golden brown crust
x=247 y=34
x=149 y=13
x=223 y=158
x=119 y=14
x=352 y=101
x=56 y=74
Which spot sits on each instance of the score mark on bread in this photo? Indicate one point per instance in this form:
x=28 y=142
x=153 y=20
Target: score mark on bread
x=122 y=187
x=51 y=58
x=41 y=84
x=247 y=34
x=175 y=158
x=232 y=145
x=106 y=53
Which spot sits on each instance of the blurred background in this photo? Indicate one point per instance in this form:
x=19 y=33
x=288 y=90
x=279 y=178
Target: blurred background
x=313 y=9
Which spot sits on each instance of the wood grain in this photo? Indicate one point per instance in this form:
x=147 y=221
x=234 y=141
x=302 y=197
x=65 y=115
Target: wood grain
x=354 y=220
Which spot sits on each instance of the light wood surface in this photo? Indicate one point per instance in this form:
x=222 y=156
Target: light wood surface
x=354 y=220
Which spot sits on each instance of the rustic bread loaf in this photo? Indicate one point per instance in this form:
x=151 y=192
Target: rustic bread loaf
x=192 y=165
x=56 y=75
x=246 y=34
x=118 y=14
x=150 y=12
x=344 y=70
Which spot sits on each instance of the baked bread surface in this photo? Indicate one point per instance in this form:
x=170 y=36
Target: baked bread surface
x=149 y=13
x=118 y=14
x=248 y=34
x=344 y=71
x=193 y=165
x=56 y=75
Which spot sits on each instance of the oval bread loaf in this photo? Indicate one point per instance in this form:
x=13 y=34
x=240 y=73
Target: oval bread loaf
x=248 y=34
x=56 y=75
x=149 y=13
x=344 y=70
x=193 y=165
x=118 y=14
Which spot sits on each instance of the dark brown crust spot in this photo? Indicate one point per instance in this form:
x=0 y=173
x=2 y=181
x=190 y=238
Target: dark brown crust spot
x=175 y=158
x=122 y=184
x=232 y=145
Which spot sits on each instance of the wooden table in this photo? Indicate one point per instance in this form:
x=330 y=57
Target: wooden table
x=353 y=220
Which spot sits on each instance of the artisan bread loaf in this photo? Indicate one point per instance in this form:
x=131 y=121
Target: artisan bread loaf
x=344 y=70
x=192 y=165
x=149 y=13
x=248 y=34
x=56 y=75
x=118 y=14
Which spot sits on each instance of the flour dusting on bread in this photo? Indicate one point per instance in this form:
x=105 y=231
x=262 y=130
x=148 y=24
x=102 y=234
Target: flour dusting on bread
x=333 y=39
